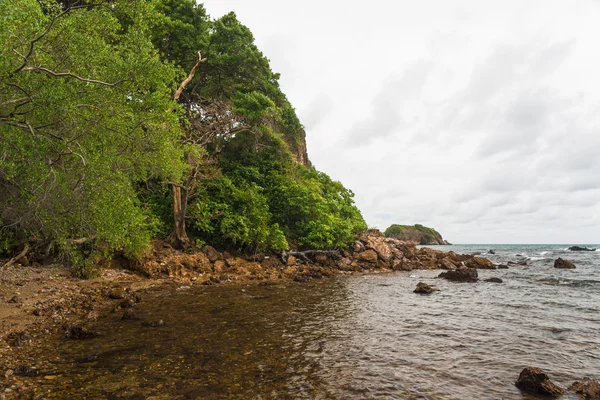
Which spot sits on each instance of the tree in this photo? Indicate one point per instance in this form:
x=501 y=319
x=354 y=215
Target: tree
x=82 y=119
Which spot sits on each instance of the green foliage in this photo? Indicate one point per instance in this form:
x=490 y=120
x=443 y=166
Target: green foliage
x=73 y=147
x=90 y=136
x=417 y=233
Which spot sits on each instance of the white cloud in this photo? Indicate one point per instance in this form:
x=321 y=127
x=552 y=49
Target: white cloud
x=481 y=119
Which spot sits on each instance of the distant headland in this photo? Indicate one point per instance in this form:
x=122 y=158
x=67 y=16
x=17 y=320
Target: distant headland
x=416 y=233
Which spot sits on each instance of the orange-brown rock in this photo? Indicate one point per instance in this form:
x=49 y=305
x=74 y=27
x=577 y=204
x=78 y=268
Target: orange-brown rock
x=479 y=262
x=367 y=255
x=535 y=381
x=587 y=388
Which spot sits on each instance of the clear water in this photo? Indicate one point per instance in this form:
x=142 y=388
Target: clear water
x=358 y=337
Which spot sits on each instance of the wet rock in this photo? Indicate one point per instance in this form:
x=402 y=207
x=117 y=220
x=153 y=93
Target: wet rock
x=130 y=315
x=80 y=333
x=153 y=324
x=15 y=300
x=460 y=275
x=424 y=288
x=587 y=388
x=522 y=263
x=480 y=263
x=493 y=280
x=502 y=266
x=578 y=248
x=24 y=370
x=563 y=264
x=491 y=252
x=367 y=256
x=17 y=339
x=535 y=381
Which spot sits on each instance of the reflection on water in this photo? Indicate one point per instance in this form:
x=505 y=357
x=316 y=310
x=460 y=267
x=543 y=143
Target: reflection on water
x=354 y=337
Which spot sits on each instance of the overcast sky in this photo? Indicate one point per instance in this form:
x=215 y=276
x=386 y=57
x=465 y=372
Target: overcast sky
x=478 y=118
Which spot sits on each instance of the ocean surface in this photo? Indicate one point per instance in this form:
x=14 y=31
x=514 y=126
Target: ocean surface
x=352 y=337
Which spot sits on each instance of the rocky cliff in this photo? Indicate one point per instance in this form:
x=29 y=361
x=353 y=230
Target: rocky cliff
x=418 y=234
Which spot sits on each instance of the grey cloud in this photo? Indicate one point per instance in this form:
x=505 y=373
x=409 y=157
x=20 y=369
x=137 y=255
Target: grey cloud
x=386 y=107
x=316 y=111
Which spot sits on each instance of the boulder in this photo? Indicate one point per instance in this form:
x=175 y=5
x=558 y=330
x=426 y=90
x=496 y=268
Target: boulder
x=368 y=256
x=491 y=252
x=212 y=254
x=479 y=262
x=460 y=275
x=578 y=248
x=493 y=280
x=424 y=288
x=358 y=246
x=378 y=244
x=535 y=381
x=563 y=264
x=587 y=388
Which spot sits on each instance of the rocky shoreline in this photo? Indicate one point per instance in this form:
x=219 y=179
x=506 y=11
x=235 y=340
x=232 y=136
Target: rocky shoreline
x=38 y=303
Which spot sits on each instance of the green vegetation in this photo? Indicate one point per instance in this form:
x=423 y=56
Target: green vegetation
x=98 y=156
x=417 y=233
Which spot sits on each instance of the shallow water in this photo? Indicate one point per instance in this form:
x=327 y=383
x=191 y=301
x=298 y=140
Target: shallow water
x=364 y=337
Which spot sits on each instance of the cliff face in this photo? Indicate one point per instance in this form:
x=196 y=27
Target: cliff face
x=297 y=146
x=418 y=233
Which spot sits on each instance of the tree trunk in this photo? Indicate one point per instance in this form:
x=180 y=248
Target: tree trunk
x=179 y=237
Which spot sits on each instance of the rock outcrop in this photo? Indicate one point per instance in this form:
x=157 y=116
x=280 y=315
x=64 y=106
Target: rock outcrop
x=563 y=264
x=579 y=248
x=370 y=251
x=535 y=381
x=460 y=275
x=587 y=388
x=418 y=234
x=424 y=288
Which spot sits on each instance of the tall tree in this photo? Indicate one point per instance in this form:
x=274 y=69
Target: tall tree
x=82 y=102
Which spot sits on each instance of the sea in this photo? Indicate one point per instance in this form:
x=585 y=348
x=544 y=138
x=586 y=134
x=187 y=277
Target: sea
x=350 y=337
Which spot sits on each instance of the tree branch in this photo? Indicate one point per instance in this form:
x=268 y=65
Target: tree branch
x=46 y=31
x=17 y=258
x=189 y=78
x=68 y=74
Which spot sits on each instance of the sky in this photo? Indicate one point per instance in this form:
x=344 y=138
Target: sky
x=478 y=118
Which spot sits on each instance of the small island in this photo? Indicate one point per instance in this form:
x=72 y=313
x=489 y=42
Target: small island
x=416 y=233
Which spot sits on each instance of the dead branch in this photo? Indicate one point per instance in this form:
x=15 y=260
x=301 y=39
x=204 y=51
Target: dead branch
x=81 y=240
x=18 y=257
x=68 y=74
x=303 y=255
x=189 y=78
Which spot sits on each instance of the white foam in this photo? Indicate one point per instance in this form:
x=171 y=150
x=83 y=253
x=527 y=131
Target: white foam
x=543 y=253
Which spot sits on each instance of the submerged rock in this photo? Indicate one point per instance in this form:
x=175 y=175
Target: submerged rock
x=563 y=264
x=493 y=280
x=24 y=370
x=153 y=324
x=80 y=333
x=460 y=275
x=587 y=388
x=502 y=266
x=17 y=339
x=424 y=288
x=522 y=263
x=535 y=381
x=578 y=248
x=130 y=315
